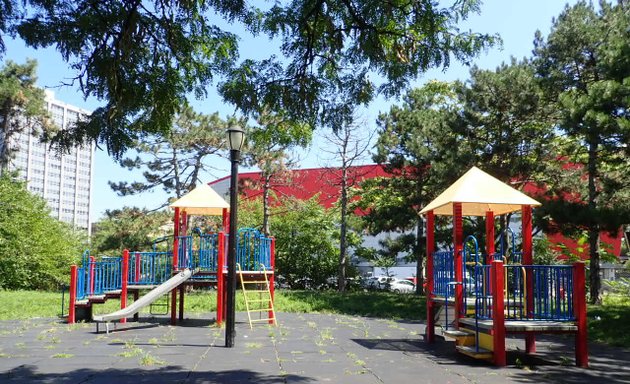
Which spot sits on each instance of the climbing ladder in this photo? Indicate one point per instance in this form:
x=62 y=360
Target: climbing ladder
x=257 y=295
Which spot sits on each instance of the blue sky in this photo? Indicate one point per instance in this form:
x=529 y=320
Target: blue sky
x=515 y=21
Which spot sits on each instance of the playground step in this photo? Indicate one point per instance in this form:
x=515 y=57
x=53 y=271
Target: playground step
x=475 y=352
x=267 y=319
x=461 y=337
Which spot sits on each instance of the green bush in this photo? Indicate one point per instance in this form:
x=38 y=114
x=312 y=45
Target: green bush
x=36 y=250
x=307 y=245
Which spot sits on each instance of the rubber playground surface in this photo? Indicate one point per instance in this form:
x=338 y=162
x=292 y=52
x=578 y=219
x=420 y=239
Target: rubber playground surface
x=305 y=348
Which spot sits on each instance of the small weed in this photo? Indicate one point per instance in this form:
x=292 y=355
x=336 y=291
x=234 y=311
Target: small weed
x=312 y=324
x=4 y=355
x=49 y=347
x=20 y=345
x=330 y=360
x=54 y=340
x=153 y=341
x=86 y=342
x=131 y=350
x=518 y=363
x=565 y=361
x=326 y=334
x=296 y=352
x=322 y=352
x=169 y=335
x=253 y=345
x=62 y=356
x=359 y=362
x=150 y=360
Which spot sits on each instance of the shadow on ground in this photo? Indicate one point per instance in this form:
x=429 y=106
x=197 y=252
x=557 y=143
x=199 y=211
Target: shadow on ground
x=169 y=374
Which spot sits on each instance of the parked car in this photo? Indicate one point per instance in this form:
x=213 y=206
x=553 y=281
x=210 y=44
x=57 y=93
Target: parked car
x=379 y=282
x=402 y=286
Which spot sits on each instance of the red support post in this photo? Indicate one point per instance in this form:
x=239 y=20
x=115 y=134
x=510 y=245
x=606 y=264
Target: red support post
x=175 y=239
x=489 y=237
x=220 y=279
x=579 y=308
x=272 y=262
x=498 y=315
x=124 y=277
x=458 y=243
x=184 y=224
x=490 y=250
x=73 y=294
x=138 y=260
x=430 y=328
x=226 y=220
x=528 y=259
x=183 y=231
x=174 y=306
x=526 y=215
x=92 y=264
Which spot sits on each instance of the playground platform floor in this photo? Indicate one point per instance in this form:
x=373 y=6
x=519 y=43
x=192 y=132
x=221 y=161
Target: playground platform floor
x=305 y=348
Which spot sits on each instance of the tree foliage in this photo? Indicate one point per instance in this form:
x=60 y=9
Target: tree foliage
x=36 y=250
x=143 y=58
x=22 y=107
x=584 y=66
x=128 y=228
x=306 y=239
x=269 y=147
x=178 y=161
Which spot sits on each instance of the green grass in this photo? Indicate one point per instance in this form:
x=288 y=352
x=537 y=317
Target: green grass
x=608 y=323
x=18 y=305
x=29 y=304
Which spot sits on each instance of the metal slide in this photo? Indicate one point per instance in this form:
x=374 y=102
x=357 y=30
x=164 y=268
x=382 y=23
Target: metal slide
x=145 y=300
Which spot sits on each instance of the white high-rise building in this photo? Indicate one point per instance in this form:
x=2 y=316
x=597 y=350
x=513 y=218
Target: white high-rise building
x=63 y=180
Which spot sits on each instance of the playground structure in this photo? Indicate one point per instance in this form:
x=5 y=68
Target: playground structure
x=478 y=298
x=196 y=259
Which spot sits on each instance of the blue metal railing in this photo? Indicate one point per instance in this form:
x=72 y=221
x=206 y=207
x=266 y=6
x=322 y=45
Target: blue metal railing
x=443 y=272
x=208 y=252
x=185 y=252
x=149 y=268
x=81 y=292
x=107 y=274
x=253 y=249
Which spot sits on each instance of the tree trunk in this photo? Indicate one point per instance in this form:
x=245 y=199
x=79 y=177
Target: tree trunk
x=343 y=244
x=593 y=229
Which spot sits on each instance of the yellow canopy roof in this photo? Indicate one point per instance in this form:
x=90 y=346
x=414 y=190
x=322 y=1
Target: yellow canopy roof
x=479 y=192
x=202 y=200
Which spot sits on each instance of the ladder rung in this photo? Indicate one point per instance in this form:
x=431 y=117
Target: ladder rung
x=259 y=301
x=259 y=320
x=257 y=291
x=260 y=310
x=254 y=282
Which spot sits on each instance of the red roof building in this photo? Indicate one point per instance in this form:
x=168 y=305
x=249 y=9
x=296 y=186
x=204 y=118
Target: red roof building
x=302 y=184
x=324 y=182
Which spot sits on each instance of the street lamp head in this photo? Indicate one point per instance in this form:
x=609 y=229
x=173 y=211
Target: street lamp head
x=236 y=136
